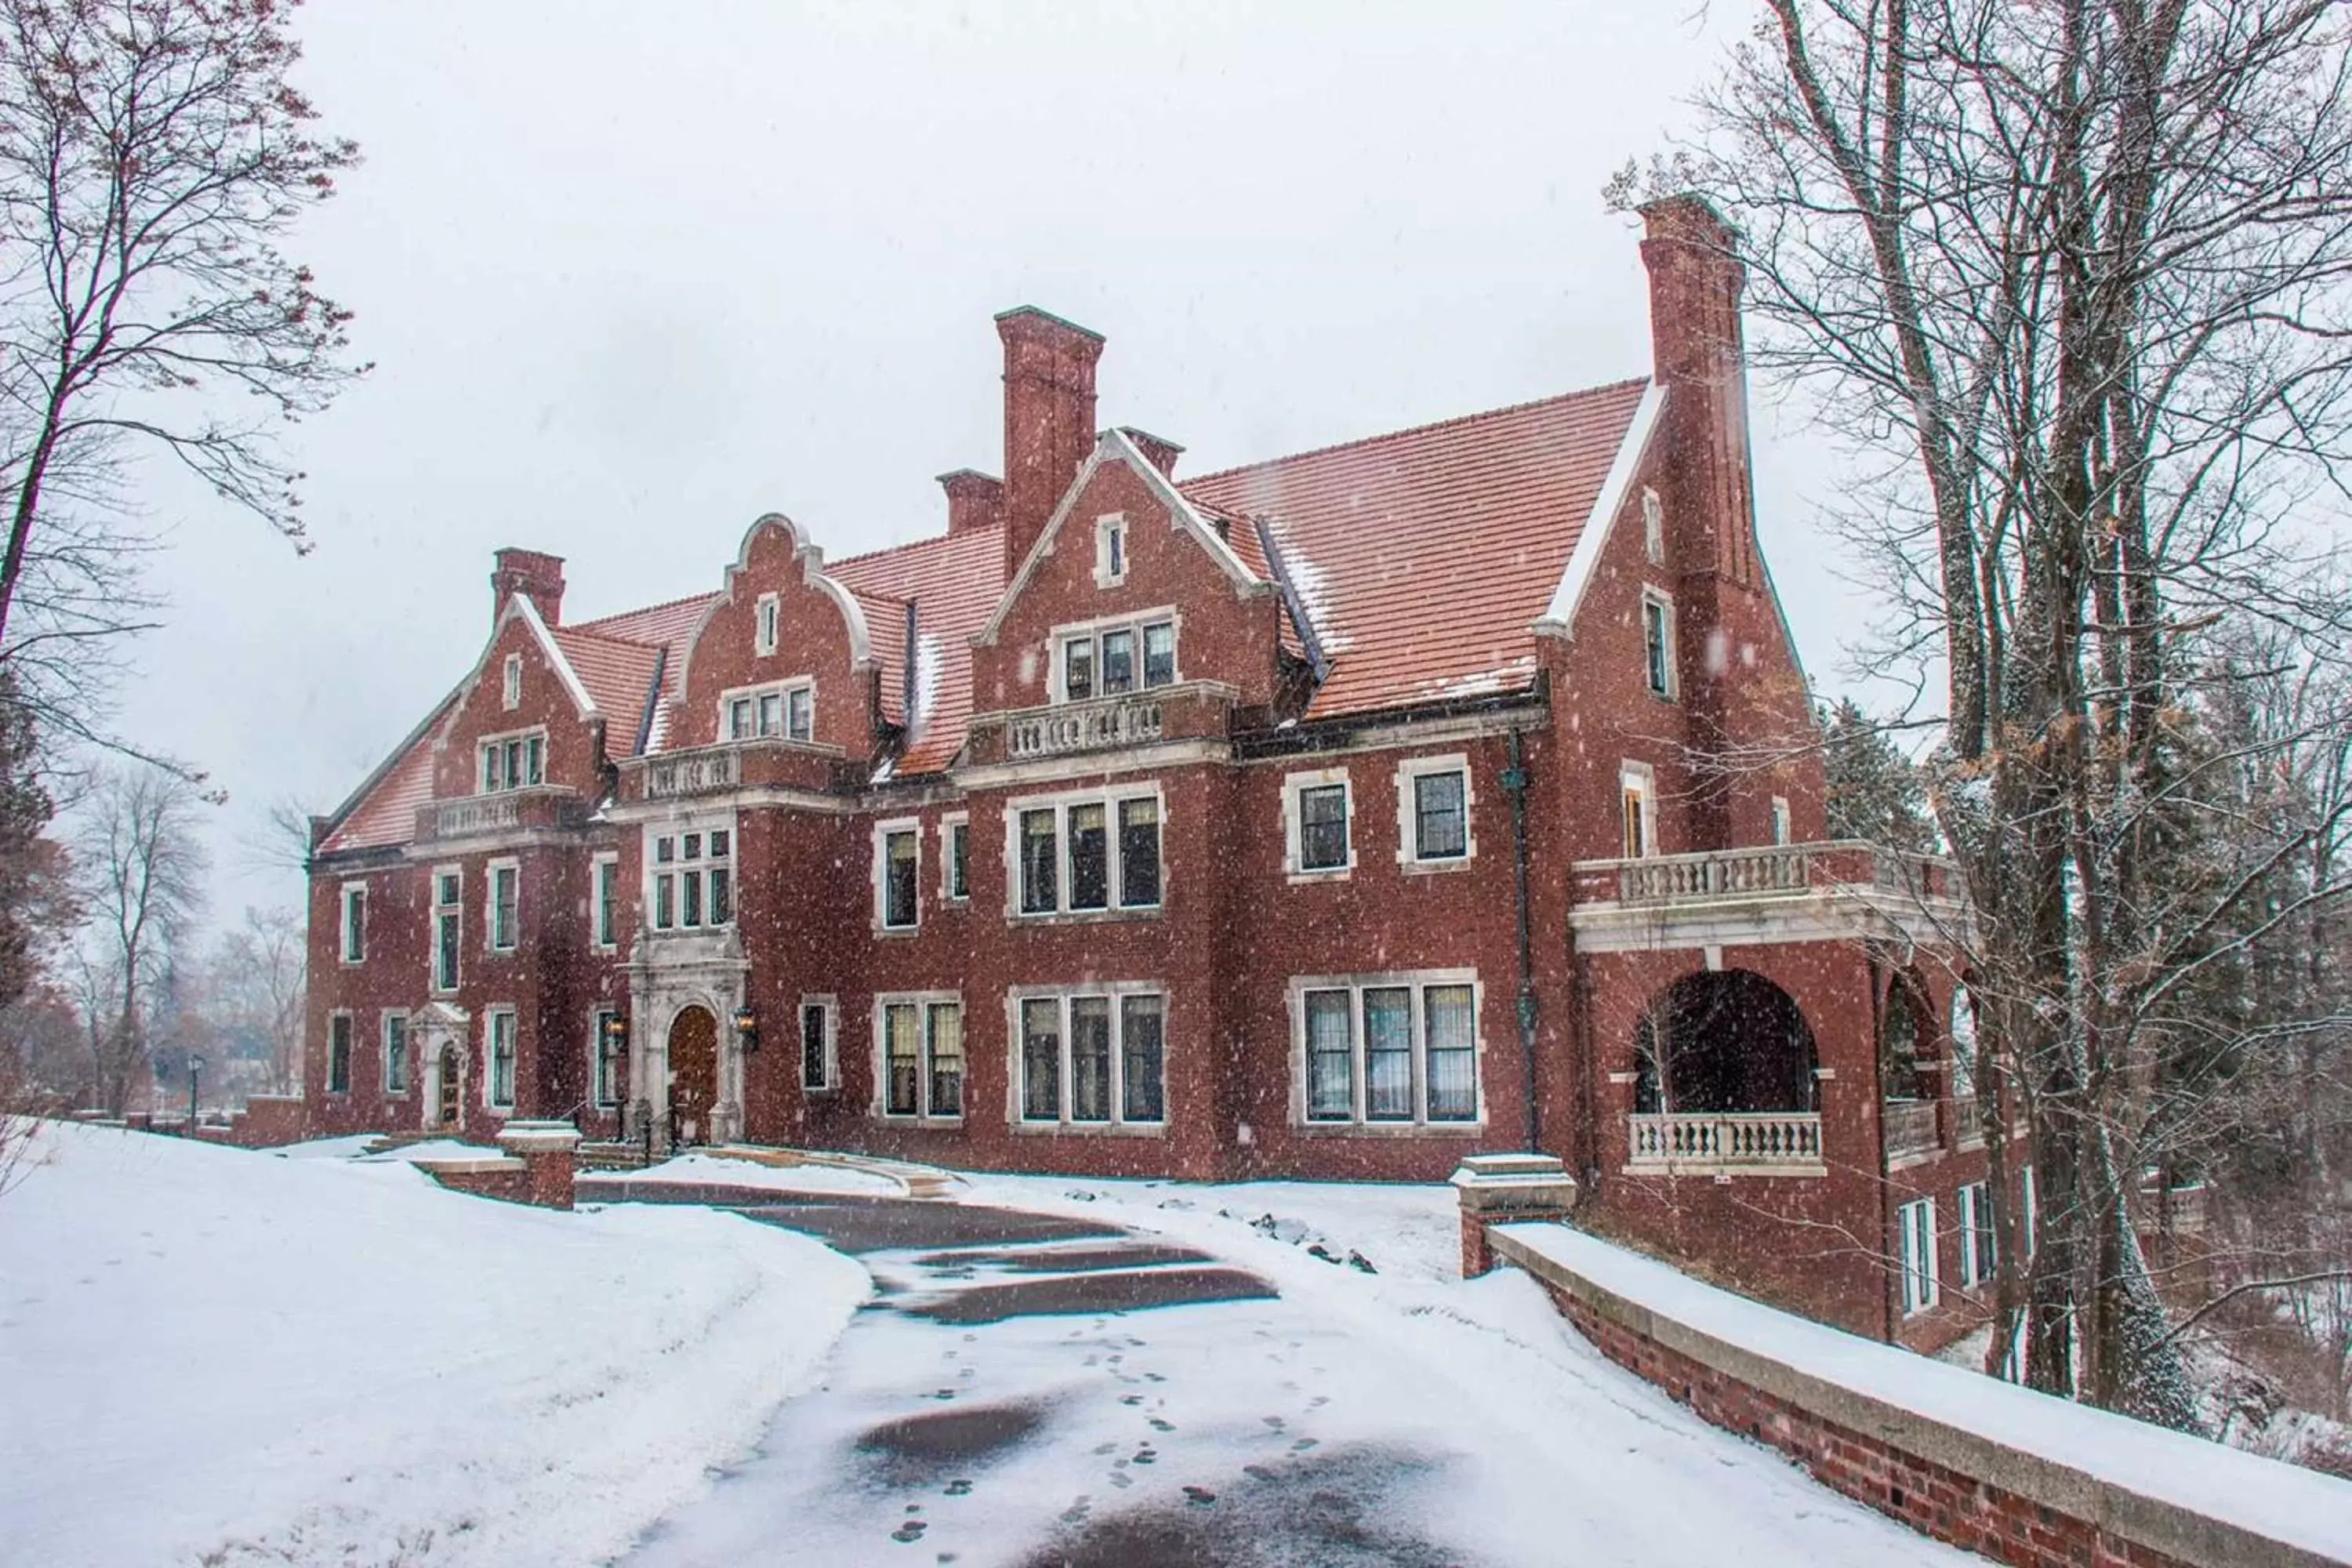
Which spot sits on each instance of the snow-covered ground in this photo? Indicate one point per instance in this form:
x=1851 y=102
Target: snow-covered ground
x=699 y=1169
x=220 y=1357
x=1360 y=1420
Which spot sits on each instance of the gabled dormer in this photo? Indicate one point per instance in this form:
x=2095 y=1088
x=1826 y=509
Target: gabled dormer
x=522 y=719
x=785 y=653
x=1129 y=589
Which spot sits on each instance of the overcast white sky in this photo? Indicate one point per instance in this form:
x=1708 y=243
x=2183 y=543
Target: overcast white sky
x=634 y=274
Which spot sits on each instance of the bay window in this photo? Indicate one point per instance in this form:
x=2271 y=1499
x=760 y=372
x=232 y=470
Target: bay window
x=1398 y=1050
x=1092 y=1058
x=1086 y=854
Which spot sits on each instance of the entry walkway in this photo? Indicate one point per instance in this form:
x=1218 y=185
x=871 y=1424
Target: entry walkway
x=1043 y=1391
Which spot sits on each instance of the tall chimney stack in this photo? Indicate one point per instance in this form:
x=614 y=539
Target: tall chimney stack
x=1049 y=418
x=1696 y=279
x=532 y=573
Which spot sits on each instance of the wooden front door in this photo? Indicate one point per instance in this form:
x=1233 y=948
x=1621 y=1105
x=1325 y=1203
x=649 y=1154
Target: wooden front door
x=693 y=1074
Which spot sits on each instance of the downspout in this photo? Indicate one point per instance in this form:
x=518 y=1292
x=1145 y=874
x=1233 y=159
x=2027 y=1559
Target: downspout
x=1515 y=781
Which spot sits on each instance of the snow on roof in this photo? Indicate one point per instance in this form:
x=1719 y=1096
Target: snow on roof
x=617 y=675
x=1425 y=555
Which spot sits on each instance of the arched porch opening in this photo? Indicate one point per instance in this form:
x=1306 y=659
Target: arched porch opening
x=1724 y=1079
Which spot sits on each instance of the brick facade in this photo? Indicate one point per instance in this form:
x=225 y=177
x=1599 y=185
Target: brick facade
x=1471 y=598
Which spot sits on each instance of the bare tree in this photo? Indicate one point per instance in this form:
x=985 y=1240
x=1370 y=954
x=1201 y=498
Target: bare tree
x=2081 y=267
x=142 y=866
x=152 y=154
x=260 y=970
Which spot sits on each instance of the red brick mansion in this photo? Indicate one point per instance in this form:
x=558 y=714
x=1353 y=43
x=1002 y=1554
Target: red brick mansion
x=1336 y=815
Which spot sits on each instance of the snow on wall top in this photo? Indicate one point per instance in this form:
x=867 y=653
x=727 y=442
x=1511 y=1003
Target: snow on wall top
x=1425 y=556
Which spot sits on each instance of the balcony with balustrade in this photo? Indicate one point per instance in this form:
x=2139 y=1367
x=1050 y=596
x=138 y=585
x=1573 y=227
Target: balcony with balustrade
x=1724 y=1083
x=1829 y=890
x=1754 y=1143
x=505 y=814
x=1192 y=711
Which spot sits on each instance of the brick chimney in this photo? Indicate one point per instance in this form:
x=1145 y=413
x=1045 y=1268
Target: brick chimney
x=1049 y=418
x=1158 y=450
x=1696 y=279
x=974 y=500
x=528 y=572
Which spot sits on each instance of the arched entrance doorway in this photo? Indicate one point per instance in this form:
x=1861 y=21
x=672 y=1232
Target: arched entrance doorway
x=1724 y=1041
x=693 y=1074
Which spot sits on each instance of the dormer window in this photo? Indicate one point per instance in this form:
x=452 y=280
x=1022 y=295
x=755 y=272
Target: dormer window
x=768 y=712
x=513 y=761
x=767 y=616
x=1111 y=551
x=510 y=682
x=1115 y=659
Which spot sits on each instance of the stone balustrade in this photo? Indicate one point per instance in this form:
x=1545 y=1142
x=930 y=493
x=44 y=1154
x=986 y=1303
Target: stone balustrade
x=1099 y=725
x=1726 y=1141
x=1768 y=871
x=508 y=811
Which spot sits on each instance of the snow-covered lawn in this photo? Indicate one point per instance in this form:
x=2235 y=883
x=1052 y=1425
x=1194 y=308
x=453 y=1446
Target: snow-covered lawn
x=715 y=1170
x=217 y=1356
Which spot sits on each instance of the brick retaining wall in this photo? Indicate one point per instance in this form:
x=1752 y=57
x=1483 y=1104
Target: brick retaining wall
x=2102 y=1506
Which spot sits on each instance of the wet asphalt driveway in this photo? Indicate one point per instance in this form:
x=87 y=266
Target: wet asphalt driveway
x=1037 y=1391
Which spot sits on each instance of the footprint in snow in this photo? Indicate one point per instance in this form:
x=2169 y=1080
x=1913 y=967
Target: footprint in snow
x=960 y=1487
x=1257 y=1472
x=1275 y=1421
x=1160 y=1426
x=1304 y=1444
x=1078 y=1510
x=1199 y=1496
x=910 y=1532
x=1146 y=1454
x=1131 y=1399
x=1122 y=1480
x=1106 y=1447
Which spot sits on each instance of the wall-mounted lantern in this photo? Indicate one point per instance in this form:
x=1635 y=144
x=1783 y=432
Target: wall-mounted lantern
x=747 y=1027
x=616 y=1032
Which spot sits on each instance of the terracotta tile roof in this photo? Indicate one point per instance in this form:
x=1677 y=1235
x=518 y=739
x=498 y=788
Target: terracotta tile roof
x=955 y=580
x=618 y=675
x=385 y=810
x=665 y=625
x=1425 y=556
x=886 y=624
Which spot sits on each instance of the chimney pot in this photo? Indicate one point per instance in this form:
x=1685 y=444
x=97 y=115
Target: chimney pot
x=531 y=573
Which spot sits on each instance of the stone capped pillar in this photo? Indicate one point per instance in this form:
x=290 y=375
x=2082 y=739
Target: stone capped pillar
x=1507 y=1189
x=549 y=1153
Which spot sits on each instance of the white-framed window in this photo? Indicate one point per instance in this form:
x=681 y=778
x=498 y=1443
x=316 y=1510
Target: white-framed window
x=607 y=1058
x=2029 y=1212
x=955 y=858
x=1091 y=1056
x=1112 y=658
x=767 y=616
x=897 y=874
x=511 y=683
x=338 y=1053
x=690 y=877
x=1433 y=811
x=1317 y=823
x=1111 y=551
x=352 y=943
x=605 y=901
x=448 y=925
x=1084 y=854
x=1637 y=785
x=785 y=710
x=1916 y=1221
x=1976 y=1235
x=1653 y=526
x=499 y=1083
x=1782 y=830
x=1396 y=1049
x=1658 y=641
x=395 y=1051
x=512 y=762
x=820 y=1047
x=918 y=1056
x=502 y=911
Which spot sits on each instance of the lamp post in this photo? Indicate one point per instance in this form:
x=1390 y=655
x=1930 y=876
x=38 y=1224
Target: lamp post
x=195 y=1066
